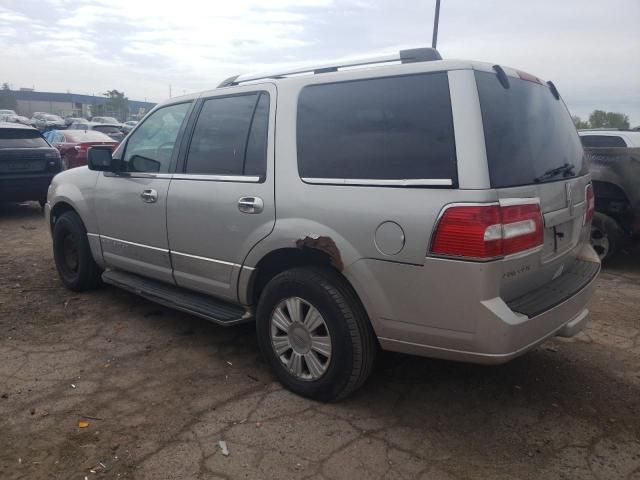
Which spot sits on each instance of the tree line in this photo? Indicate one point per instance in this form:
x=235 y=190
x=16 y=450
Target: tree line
x=602 y=119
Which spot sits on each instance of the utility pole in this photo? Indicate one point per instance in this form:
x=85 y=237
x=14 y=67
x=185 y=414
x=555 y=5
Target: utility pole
x=436 y=20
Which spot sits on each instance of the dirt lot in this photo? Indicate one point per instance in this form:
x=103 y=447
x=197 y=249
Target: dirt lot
x=159 y=390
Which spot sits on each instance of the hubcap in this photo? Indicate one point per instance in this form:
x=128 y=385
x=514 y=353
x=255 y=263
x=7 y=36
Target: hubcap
x=300 y=338
x=600 y=242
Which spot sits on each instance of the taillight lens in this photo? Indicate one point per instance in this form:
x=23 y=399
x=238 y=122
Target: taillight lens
x=590 y=200
x=81 y=147
x=487 y=232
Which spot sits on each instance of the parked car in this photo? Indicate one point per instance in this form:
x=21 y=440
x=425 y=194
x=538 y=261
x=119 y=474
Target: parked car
x=615 y=169
x=5 y=111
x=111 y=120
x=69 y=120
x=128 y=126
x=27 y=163
x=47 y=121
x=113 y=131
x=12 y=118
x=346 y=209
x=74 y=144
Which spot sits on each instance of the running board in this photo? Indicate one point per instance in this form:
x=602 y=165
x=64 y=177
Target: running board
x=204 y=306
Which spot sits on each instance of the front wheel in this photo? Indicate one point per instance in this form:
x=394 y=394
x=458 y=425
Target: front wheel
x=315 y=334
x=71 y=252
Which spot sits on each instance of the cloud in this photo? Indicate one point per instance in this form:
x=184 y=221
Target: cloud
x=142 y=46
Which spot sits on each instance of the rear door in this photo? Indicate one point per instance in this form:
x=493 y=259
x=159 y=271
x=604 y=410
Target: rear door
x=221 y=200
x=533 y=151
x=131 y=204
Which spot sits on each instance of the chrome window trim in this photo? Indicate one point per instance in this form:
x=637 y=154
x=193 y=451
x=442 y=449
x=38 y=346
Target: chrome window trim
x=217 y=178
x=213 y=260
x=166 y=176
x=134 y=244
x=421 y=182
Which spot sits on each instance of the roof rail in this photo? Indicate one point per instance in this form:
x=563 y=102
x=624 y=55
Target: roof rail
x=404 y=56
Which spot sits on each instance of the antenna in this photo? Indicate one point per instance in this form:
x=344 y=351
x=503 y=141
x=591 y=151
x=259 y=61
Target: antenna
x=436 y=20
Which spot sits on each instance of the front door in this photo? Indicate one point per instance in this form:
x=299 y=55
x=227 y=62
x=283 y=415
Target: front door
x=221 y=199
x=131 y=205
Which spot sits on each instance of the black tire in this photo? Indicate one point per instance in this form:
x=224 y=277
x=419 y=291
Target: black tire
x=76 y=267
x=607 y=236
x=354 y=345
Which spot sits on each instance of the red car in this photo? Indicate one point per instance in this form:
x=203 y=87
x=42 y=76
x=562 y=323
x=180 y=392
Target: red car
x=74 y=144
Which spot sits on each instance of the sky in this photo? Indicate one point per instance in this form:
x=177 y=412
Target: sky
x=589 y=48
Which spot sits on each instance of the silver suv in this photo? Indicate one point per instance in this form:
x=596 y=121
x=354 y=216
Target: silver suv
x=434 y=207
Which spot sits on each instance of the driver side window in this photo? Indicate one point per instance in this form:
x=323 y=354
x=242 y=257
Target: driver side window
x=150 y=147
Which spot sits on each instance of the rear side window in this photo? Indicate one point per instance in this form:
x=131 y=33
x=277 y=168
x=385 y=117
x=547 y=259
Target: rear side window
x=394 y=128
x=230 y=136
x=529 y=135
x=15 y=138
x=602 y=141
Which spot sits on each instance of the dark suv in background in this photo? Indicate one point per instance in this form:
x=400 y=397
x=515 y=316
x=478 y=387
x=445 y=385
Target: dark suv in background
x=27 y=164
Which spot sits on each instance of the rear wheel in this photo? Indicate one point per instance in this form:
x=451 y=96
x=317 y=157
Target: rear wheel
x=75 y=264
x=315 y=334
x=606 y=235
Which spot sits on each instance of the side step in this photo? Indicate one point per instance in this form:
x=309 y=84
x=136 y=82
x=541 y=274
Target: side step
x=204 y=306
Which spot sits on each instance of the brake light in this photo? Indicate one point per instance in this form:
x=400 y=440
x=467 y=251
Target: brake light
x=81 y=147
x=488 y=232
x=590 y=201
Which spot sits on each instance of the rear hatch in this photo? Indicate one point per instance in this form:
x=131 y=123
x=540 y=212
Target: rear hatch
x=534 y=152
x=24 y=152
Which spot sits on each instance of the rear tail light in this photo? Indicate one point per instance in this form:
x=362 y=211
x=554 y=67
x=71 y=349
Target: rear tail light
x=81 y=147
x=590 y=202
x=488 y=232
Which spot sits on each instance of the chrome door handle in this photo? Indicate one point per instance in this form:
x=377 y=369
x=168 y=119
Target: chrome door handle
x=149 y=195
x=250 y=205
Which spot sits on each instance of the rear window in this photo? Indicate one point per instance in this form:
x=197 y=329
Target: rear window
x=106 y=129
x=602 y=141
x=10 y=138
x=394 y=128
x=529 y=135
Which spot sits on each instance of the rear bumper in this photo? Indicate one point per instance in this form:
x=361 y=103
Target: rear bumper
x=23 y=188
x=447 y=317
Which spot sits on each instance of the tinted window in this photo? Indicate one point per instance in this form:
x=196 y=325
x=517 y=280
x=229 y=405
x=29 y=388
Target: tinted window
x=600 y=141
x=256 y=156
x=387 y=128
x=150 y=148
x=528 y=133
x=10 y=138
x=225 y=140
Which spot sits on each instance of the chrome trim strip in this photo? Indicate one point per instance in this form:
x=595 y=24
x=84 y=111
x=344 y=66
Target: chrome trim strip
x=134 y=244
x=217 y=178
x=422 y=182
x=165 y=176
x=508 y=202
x=207 y=259
x=92 y=235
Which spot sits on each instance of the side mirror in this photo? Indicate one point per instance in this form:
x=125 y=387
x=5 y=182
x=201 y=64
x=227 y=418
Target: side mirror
x=100 y=159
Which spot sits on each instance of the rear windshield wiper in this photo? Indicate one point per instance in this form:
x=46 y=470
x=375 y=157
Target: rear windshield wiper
x=566 y=170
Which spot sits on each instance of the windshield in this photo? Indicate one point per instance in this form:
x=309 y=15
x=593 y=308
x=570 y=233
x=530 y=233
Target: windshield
x=86 y=136
x=10 y=138
x=529 y=135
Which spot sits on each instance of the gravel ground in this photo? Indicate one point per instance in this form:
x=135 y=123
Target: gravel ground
x=158 y=390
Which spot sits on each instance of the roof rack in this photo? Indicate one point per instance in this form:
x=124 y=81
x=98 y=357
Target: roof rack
x=404 y=56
